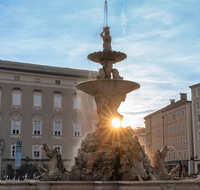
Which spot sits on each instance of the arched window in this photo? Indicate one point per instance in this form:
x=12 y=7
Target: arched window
x=37 y=124
x=16 y=119
x=57 y=126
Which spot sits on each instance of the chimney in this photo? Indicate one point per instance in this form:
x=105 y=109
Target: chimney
x=183 y=96
x=172 y=101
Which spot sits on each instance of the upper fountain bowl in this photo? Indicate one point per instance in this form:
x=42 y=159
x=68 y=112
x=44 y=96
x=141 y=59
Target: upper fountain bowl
x=100 y=56
x=108 y=87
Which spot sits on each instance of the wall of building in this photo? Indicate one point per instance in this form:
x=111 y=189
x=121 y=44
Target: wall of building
x=65 y=114
x=172 y=126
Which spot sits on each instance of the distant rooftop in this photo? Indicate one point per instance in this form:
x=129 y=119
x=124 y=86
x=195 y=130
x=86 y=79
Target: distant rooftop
x=44 y=69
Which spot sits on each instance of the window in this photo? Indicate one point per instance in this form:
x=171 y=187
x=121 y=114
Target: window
x=169 y=130
x=75 y=151
x=165 y=143
x=57 y=81
x=198 y=118
x=183 y=127
x=37 y=80
x=37 y=124
x=77 y=129
x=164 y=119
x=183 y=139
x=173 y=117
x=178 y=141
x=184 y=154
x=194 y=93
x=37 y=128
x=13 y=150
x=182 y=113
x=177 y=115
x=57 y=101
x=198 y=105
x=173 y=129
x=165 y=131
x=15 y=127
x=169 y=142
x=174 y=155
x=179 y=154
x=178 y=128
x=36 y=152
x=173 y=142
x=198 y=136
x=16 y=97
x=169 y=155
x=16 y=78
x=58 y=148
x=16 y=118
x=57 y=128
x=77 y=103
x=168 y=118
x=37 y=99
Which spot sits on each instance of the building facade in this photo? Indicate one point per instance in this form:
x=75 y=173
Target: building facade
x=40 y=104
x=195 y=92
x=172 y=126
x=154 y=131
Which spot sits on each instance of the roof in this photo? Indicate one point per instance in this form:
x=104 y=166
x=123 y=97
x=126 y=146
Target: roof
x=169 y=107
x=44 y=69
x=175 y=105
x=195 y=85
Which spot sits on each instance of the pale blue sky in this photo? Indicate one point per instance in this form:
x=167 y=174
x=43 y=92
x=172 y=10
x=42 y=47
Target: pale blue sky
x=160 y=37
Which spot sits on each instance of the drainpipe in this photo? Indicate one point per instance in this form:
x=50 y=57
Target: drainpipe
x=163 y=128
x=151 y=138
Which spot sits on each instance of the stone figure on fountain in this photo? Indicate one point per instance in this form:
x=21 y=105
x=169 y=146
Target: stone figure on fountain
x=57 y=171
x=105 y=34
x=107 y=106
x=158 y=163
x=107 y=70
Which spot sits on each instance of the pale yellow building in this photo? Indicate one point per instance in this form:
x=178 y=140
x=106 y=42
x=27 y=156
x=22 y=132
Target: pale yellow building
x=41 y=104
x=172 y=126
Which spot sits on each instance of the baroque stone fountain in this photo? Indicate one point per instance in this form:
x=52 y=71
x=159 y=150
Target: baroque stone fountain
x=108 y=154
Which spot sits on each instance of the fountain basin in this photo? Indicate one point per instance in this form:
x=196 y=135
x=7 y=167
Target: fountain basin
x=108 y=87
x=113 y=56
x=98 y=185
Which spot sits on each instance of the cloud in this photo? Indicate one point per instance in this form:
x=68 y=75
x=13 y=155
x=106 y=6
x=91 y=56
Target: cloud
x=136 y=113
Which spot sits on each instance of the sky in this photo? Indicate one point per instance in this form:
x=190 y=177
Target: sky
x=161 y=39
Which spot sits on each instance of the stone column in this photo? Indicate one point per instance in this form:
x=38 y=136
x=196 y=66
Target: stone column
x=1 y=152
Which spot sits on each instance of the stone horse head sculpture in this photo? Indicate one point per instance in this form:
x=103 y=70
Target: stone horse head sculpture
x=158 y=163
x=57 y=171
